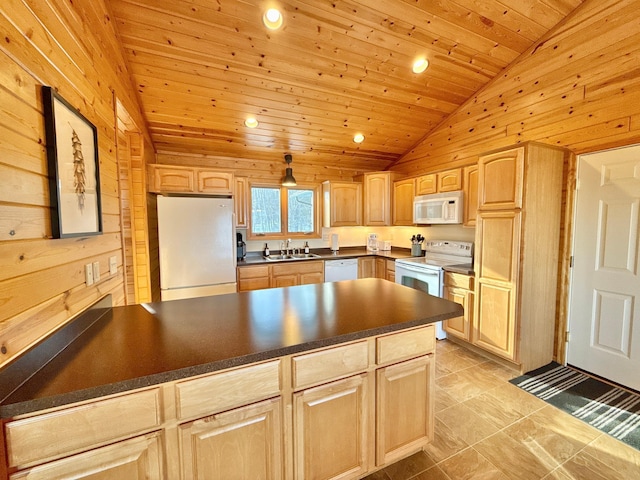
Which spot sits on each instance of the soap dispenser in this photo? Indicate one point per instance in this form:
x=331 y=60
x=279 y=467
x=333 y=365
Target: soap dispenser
x=266 y=250
x=306 y=247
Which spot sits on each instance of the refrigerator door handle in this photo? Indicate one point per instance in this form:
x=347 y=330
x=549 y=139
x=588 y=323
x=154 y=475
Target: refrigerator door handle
x=233 y=241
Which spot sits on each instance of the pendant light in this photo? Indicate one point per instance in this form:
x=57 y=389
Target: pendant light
x=288 y=180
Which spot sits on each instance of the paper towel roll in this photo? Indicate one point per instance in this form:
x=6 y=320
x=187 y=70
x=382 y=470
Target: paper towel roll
x=334 y=242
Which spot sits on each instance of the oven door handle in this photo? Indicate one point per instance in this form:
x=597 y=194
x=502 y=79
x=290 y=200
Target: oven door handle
x=418 y=270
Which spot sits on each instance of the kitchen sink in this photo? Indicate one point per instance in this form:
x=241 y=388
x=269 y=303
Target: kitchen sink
x=299 y=256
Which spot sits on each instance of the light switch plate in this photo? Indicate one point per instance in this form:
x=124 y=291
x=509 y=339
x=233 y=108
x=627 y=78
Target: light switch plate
x=96 y=271
x=113 y=265
x=88 y=274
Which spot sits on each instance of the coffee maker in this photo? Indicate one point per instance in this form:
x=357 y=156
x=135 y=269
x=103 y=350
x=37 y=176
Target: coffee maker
x=241 y=247
x=372 y=242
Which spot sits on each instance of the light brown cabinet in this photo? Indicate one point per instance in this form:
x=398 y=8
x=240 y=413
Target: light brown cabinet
x=366 y=267
x=381 y=268
x=470 y=201
x=301 y=273
x=342 y=204
x=403 y=193
x=240 y=197
x=450 y=180
x=245 y=442
x=176 y=179
x=427 y=184
x=377 y=198
x=253 y=277
x=516 y=260
x=459 y=288
x=331 y=427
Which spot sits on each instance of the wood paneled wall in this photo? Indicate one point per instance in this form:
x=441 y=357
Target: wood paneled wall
x=72 y=47
x=579 y=87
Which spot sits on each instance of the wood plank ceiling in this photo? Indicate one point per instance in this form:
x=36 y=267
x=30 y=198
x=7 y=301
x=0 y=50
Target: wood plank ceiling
x=334 y=69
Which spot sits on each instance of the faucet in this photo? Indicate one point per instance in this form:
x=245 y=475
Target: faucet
x=288 y=246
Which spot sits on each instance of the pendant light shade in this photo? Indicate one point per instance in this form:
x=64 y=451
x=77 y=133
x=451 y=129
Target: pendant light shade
x=288 y=180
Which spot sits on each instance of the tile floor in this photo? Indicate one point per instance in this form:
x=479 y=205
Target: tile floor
x=488 y=429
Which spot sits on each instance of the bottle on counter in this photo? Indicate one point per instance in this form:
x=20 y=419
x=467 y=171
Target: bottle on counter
x=266 y=250
x=306 y=247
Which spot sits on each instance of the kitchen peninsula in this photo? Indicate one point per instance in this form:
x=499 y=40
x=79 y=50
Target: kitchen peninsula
x=326 y=380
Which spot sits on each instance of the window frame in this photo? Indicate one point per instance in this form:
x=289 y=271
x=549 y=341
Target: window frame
x=284 y=213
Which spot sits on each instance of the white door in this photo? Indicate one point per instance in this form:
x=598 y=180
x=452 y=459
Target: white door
x=604 y=315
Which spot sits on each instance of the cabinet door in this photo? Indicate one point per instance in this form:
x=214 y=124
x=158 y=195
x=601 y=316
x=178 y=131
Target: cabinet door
x=171 y=179
x=391 y=270
x=253 y=278
x=459 y=326
x=450 y=180
x=405 y=402
x=426 y=184
x=403 y=193
x=470 y=200
x=241 y=443
x=219 y=183
x=345 y=204
x=284 y=280
x=377 y=199
x=500 y=179
x=497 y=265
x=311 y=277
x=381 y=268
x=330 y=430
x=366 y=267
x=240 y=201
x=137 y=458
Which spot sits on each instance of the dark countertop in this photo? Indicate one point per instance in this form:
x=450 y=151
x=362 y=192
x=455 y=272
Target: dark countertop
x=256 y=258
x=141 y=345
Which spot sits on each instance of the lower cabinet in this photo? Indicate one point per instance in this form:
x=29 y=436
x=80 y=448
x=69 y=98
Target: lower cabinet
x=366 y=267
x=301 y=273
x=135 y=459
x=459 y=288
x=331 y=430
x=242 y=443
x=404 y=408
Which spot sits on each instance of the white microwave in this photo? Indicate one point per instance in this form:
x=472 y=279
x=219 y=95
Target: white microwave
x=438 y=208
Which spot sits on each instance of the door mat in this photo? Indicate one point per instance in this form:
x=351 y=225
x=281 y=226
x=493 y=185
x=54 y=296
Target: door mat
x=610 y=409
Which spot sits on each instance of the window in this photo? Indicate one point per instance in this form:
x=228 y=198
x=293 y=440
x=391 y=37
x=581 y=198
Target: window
x=281 y=212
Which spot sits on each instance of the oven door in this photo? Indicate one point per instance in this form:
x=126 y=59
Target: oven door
x=427 y=280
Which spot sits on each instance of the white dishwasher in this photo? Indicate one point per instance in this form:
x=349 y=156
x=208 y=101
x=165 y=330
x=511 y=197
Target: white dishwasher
x=336 y=270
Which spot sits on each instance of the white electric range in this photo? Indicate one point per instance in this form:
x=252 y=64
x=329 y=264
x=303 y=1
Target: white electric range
x=426 y=273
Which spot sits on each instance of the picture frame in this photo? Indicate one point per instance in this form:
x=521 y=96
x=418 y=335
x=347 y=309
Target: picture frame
x=74 y=169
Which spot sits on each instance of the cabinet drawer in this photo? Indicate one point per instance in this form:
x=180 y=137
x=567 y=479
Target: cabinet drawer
x=403 y=345
x=253 y=272
x=330 y=364
x=224 y=391
x=458 y=280
x=297 y=268
x=53 y=435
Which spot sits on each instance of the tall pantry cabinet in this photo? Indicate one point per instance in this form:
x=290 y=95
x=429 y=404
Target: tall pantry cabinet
x=517 y=248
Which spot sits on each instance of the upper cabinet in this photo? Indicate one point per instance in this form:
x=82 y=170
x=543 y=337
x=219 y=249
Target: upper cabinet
x=501 y=180
x=176 y=179
x=377 y=197
x=447 y=181
x=403 y=193
x=342 y=204
x=470 y=200
x=240 y=195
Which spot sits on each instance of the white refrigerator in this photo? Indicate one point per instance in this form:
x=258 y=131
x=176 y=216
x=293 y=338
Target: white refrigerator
x=197 y=246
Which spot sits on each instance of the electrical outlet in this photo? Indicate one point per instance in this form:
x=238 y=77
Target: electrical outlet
x=88 y=274
x=113 y=265
x=96 y=271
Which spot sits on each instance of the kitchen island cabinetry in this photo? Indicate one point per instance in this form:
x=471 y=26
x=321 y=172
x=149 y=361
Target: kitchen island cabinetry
x=517 y=248
x=239 y=385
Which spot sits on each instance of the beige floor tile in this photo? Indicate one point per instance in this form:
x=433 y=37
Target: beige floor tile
x=468 y=383
x=469 y=464
x=443 y=400
x=510 y=397
x=445 y=444
x=466 y=424
x=585 y=467
x=434 y=473
x=563 y=424
x=616 y=455
x=500 y=371
x=451 y=362
x=446 y=346
x=409 y=467
x=516 y=460
x=493 y=411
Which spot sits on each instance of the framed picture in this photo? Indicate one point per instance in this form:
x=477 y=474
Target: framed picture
x=74 y=176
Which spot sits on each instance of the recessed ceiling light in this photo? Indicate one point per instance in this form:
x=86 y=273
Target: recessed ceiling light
x=358 y=138
x=272 y=19
x=420 y=65
x=251 y=122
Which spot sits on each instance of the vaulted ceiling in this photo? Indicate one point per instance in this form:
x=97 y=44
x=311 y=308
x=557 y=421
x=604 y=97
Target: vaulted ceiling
x=335 y=68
